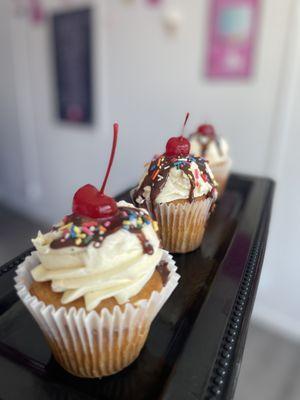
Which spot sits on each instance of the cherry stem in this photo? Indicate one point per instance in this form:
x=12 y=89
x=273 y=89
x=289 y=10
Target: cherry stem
x=112 y=155
x=184 y=124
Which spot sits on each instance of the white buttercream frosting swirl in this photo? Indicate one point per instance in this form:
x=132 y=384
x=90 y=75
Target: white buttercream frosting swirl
x=187 y=177
x=119 y=267
x=216 y=150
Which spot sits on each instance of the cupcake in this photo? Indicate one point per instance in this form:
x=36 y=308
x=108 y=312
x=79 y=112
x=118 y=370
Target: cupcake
x=96 y=282
x=205 y=143
x=180 y=191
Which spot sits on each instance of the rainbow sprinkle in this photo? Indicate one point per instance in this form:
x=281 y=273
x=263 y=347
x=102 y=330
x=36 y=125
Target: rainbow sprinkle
x=81 y=233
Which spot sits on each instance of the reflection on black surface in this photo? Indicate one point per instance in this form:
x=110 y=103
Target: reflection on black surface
x=145 y=378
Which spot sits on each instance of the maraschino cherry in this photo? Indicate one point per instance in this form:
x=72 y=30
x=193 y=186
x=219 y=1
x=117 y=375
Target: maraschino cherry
x=88 y=201
x=178 y=145
x=207 y=130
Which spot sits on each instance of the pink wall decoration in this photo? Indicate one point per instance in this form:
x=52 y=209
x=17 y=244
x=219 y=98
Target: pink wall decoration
x=154 y=2
x=36 y=11
x=232 y=33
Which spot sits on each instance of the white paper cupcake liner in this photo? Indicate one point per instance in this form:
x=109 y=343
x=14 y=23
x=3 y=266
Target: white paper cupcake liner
x=91 y=344
x=182 y=225
x=221 y=173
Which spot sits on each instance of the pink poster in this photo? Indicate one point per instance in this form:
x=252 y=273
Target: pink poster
x=233 y=29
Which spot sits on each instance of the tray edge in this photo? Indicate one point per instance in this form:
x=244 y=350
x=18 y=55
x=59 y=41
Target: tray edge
x=235 y=335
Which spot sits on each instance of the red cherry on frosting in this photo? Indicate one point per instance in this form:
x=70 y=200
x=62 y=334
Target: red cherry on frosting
x=88 y=201
x=207 y=130
x=177 y=146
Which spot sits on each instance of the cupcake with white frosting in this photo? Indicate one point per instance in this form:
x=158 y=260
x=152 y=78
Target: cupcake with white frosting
x=96 y=282
x=180 y=191
x=88 y=261
x=207 y=144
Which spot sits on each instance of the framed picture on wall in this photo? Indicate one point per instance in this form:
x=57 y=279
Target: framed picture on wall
x=233 y=28
x=73 y=65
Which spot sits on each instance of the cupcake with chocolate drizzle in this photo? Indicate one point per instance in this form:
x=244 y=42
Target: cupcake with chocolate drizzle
x=180 y=191
x=96 y=282
x=206 y=143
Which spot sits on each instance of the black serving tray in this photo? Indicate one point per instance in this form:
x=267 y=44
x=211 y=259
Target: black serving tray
x=195 y=344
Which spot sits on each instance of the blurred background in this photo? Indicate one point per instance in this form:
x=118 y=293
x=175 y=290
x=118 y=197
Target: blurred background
x=70 y=68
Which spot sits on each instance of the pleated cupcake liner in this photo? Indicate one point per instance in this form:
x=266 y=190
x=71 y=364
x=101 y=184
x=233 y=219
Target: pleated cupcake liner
x=91 y=344
x=221 y=173
x=182 y=225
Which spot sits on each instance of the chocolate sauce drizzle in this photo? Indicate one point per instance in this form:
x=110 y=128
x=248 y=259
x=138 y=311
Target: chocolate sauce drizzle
x=80 y=231
x=204 y=146
x=163 y=270
x=159 y=170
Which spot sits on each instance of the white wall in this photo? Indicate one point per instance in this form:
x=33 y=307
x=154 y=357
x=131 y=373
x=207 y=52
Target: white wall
x=11 y=160
x=147 y=80
x=279 y=296
x=155 y=79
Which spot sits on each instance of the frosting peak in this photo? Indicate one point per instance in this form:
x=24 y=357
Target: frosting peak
x=173 y=178
x=205 y=143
